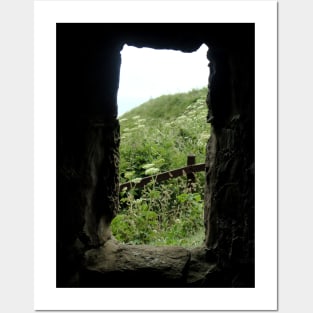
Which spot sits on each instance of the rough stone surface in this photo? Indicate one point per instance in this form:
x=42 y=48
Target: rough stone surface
x=201 y=264
x=87 y=191
x=88 y=63
x=229 y=192
x=120 y=265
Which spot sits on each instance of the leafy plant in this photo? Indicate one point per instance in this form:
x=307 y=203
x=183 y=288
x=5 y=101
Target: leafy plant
x=156 y=137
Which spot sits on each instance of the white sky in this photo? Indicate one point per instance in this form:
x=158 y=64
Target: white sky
x=148 y=73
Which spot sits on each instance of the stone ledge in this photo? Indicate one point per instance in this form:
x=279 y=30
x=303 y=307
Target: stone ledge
x=121 y=265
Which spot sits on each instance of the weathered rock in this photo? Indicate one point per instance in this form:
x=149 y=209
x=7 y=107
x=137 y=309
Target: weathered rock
x=120 y=265
x=200 y=265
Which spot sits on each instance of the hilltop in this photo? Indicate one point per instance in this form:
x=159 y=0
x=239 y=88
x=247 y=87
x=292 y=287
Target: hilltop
x=167 y=107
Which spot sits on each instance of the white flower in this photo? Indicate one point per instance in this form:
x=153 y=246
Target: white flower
x=152 y=170
x=149 y=165
x=136 y=180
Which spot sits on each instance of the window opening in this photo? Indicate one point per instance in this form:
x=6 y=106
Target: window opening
x=162 y=113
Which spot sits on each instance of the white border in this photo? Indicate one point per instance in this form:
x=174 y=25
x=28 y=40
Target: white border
x=264 y=15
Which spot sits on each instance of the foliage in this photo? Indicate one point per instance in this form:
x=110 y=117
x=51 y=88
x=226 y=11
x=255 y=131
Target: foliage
x=157 y=137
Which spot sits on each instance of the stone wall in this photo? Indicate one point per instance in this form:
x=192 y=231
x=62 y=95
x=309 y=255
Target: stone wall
x=88 y=63
x=87 y=144
x=229 y=195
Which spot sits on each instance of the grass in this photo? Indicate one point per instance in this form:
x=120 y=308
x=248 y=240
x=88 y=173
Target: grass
x=155 y=137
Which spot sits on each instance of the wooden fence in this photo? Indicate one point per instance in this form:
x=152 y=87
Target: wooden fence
x=188 y=170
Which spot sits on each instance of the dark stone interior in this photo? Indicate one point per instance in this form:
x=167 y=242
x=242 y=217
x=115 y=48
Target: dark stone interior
x=88 y=65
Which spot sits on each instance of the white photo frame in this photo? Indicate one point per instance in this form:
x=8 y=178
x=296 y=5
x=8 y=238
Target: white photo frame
x=47 y=296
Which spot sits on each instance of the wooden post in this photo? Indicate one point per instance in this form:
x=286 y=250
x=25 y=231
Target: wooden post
x=191 y=178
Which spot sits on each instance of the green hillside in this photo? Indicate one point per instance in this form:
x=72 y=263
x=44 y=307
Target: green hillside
x=167 y=107
x=163 y=131
x=157 y=136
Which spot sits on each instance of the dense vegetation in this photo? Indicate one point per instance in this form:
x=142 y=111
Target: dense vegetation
x=156 y=137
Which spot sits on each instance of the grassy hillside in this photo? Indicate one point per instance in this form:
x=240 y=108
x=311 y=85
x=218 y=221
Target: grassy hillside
x=163 y=131
x=167 y=107
x=155 y=137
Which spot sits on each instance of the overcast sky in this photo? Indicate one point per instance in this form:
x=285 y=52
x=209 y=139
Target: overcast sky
x=148 y=73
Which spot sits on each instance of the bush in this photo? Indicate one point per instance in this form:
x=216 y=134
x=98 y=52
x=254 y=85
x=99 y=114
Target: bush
x=162 y=213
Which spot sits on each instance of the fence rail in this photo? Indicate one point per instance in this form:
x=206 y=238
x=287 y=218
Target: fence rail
x=188 y=170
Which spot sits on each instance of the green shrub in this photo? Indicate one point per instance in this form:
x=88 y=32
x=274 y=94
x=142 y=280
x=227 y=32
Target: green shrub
x=157 y=137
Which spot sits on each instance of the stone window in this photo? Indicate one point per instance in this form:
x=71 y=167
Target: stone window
x=180 y=203
x=88 y=64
